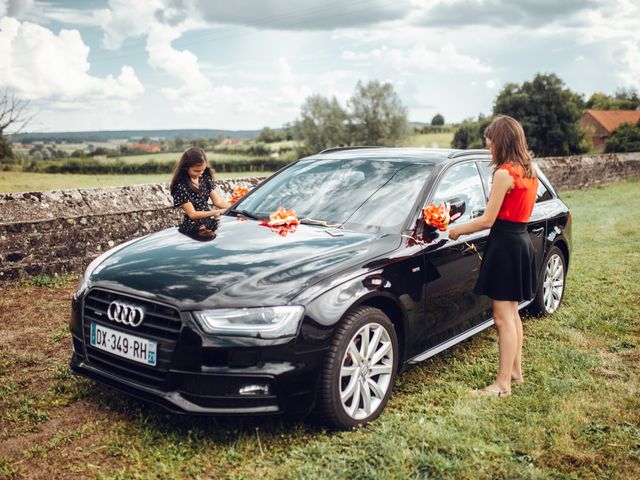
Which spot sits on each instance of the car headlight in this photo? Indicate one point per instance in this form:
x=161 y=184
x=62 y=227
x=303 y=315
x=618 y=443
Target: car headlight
x=261 y=322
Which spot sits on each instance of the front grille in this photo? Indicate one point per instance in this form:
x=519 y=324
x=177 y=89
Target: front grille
x=161 y=324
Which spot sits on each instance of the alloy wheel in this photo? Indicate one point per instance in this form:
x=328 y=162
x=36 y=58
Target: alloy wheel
x=366 y=371
x=553 y=283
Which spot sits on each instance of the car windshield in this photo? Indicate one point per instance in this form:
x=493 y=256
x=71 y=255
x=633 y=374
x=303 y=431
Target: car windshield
x=359 y=194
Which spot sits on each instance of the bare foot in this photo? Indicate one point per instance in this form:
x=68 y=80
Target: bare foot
x=492 y=390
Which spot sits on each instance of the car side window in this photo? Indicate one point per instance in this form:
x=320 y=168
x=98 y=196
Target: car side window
x=463 y=182
x=542 y=195
x=487 y=171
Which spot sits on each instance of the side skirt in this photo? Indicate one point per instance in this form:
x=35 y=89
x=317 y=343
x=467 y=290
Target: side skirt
x=457 y=339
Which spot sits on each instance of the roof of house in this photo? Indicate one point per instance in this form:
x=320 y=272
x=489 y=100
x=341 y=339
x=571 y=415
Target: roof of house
x=612 y=119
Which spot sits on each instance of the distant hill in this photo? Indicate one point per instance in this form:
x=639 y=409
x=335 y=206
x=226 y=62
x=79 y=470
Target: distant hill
x=106 y=135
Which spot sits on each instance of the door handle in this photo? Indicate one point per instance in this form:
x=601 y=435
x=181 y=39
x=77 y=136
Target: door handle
x=537 y=231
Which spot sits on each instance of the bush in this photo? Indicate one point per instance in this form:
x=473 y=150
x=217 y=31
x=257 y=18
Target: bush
x=626 y=138
x=470 y=134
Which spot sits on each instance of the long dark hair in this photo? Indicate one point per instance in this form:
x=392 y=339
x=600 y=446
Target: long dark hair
x=191 y=157
x=508 y=144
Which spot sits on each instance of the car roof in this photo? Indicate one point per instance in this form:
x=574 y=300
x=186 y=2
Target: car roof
x=414 y=155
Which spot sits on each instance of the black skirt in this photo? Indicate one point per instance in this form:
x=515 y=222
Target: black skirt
x=191 y=227
x=508 y=270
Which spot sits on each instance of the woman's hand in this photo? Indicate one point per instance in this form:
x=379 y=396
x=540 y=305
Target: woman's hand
x=454 y=233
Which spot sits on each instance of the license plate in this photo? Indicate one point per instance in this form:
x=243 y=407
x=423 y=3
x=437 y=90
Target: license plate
x=124 y=345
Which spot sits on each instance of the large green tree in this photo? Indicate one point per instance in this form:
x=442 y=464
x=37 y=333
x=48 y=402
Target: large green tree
x=549 y=113
x=438 y=119
x=626 y=138
x=378 y=116
x=323 y=124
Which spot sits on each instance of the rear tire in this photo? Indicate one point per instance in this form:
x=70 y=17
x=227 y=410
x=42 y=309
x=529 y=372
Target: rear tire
x=359 y=370
x=550 y=290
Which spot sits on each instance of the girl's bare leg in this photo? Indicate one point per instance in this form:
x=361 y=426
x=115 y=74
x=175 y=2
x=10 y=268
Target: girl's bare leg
x=516 y=373
x=503 y=315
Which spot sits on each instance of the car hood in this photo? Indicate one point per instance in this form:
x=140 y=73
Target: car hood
x=247 y=264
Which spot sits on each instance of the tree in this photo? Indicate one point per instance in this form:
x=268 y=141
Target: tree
x=470 y=134
x=623 y=99
x=323 y=124
x=548 y=112
x=378 y=116
x=625 y=138
x=269 y=135
x=437 y=120
x=13 y=115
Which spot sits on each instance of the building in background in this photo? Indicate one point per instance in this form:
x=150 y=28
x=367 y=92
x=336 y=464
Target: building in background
x=600 y=124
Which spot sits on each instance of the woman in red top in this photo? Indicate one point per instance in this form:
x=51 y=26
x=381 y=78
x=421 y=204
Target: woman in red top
x=507 y=273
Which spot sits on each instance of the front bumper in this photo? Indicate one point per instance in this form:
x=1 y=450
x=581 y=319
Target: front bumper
x=201 y=375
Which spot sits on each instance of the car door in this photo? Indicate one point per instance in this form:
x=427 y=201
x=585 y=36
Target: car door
x=537 y=223
x=451 y=267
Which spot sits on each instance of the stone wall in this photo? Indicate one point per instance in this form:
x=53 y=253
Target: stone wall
x=61 y=231
x=579 y=172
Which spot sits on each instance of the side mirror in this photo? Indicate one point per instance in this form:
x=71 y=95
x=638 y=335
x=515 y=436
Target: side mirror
x=458 y=207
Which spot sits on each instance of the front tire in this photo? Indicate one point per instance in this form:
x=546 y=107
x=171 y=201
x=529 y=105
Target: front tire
x=359 y=371
x=550 y=290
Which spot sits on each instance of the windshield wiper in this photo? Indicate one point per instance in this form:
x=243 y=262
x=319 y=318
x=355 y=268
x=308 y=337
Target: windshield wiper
x=246 y=214
x=322 y=223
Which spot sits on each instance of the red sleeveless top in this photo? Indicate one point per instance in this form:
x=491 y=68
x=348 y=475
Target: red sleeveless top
x=519 y=201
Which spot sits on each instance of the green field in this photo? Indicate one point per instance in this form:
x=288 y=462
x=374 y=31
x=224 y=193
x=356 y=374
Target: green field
x=438 y=140
x=577 y=416
x=33 y=182
x=174 y=157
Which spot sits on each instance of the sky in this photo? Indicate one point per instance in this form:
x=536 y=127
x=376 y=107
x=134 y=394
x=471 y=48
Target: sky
x=245 y=64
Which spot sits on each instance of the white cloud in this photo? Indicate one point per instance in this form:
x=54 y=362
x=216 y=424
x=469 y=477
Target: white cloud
x=180 y=64
x=38 y=64
x=124 y=19
x=15 y=8
x=421 y=59
x=291 y=93
x=631 y=59
x=490 y=83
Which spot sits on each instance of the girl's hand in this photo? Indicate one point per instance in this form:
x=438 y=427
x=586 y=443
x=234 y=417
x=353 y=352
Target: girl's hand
x=454 y=233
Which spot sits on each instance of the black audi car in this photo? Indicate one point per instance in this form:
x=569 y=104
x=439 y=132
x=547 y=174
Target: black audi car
x=320 y=319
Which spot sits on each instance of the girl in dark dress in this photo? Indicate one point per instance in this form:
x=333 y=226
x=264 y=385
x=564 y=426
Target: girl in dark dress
x=191 y=188
x=507 y=273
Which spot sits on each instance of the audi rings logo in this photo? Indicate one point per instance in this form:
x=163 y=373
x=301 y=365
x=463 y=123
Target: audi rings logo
x=125 y=313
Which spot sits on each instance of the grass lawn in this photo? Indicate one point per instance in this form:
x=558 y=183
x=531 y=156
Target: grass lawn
x=578 y=415
x=441 y=140
x=29 y=182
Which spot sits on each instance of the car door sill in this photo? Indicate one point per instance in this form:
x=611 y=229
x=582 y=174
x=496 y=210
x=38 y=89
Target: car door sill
x=457 y=339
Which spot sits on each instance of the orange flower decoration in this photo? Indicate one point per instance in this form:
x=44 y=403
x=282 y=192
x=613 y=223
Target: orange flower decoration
x=238 y=193
x=437 y=216
x=282 y=222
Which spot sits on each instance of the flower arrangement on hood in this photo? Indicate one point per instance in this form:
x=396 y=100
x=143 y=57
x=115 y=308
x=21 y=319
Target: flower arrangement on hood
x=237 y=194
x=282 y=222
